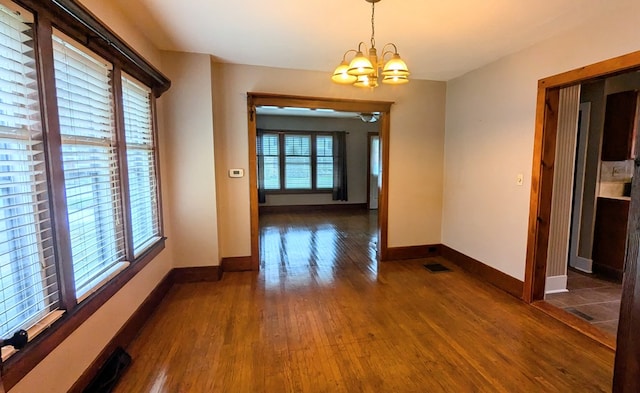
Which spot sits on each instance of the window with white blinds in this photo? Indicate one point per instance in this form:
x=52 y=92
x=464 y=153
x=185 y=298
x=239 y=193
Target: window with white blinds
x=141 y=162
x=28 y=286
x=296 y=161
x=324 y=161
x=268 y=146
x=89 y=154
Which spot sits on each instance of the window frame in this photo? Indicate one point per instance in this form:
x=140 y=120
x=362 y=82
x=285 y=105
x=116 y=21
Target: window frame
x=75 y=21
x=282 y=161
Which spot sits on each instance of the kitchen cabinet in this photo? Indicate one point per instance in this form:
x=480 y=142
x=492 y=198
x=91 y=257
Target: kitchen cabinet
x=619 y=126
x=610 y=236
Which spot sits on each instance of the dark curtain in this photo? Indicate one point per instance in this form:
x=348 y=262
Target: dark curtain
x=260 y=153
x=340 y=166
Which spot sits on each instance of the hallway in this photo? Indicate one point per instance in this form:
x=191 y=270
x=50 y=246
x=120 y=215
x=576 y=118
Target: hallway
x=322 y=316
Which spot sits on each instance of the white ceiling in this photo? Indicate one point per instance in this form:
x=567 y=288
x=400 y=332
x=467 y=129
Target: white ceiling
x=439 y=39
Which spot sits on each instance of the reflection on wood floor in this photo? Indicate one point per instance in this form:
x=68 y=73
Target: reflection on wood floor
x=322 y=316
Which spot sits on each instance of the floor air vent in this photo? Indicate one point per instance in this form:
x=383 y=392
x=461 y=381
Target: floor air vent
x=110 y=372
x=580 y=314
x=436 y=268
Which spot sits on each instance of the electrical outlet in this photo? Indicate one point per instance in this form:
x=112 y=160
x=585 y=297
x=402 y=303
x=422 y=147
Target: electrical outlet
x=520 y=179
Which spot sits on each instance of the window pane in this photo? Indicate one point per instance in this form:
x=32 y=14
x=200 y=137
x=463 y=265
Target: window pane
x=297 y=173
x=270 y=152
x=143 y=196
x=324 y=161
x=28 y=287
x=297 y=162
x=92 y=184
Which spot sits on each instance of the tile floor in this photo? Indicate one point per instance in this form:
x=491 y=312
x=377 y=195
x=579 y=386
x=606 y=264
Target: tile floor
x=591 y=298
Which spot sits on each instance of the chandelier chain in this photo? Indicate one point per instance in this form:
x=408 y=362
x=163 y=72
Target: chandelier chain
x=373 y=25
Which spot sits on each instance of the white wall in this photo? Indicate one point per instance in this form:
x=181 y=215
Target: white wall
x=357 y=141
x=66 y=363
x=190 y=176
x=416 y=149
x=490 y=120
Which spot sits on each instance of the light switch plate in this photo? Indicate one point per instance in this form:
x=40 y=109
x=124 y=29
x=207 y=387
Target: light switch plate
x=520 y=179
x=236 y=172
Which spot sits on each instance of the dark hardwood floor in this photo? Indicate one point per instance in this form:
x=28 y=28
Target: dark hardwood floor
x=322 y=316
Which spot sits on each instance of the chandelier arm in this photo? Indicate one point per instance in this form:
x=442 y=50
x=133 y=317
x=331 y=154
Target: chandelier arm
x=344 y=57
x=395 y=48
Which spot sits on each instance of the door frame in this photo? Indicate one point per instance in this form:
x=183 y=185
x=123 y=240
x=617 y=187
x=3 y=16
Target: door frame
x=370 y=136
x=626 y=369
x=346 y=105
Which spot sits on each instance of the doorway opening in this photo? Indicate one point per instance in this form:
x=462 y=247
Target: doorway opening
x=547 y=119
x=264 y=100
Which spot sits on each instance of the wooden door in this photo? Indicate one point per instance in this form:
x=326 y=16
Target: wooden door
x=626 y=378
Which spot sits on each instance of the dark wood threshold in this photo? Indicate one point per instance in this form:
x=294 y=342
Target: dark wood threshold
x=238 y=264
x=412 y=252
x=493 y=276
x=311 y=208
x=128 y=332
x=577 y=323
x=196 y=274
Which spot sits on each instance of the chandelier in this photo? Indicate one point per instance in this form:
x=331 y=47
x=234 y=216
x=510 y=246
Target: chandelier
x=363 y=71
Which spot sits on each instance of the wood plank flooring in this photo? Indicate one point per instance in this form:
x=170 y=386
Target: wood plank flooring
x=322 y=316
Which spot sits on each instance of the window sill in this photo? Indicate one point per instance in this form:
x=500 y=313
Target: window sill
x=22 y=362
x=286 y=192
x=34 y=331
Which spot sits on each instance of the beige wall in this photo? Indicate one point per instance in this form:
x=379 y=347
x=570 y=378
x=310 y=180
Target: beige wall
x=357 y=144
x=190 y=175
x=489 y=137
x=416 y=148
x=64 y=365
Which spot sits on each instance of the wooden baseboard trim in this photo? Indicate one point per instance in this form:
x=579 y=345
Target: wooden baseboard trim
x=412 y=252
x=196 y=274
x=495 y=277
x=577 y=323
x=127 y=332
x=312 y=208
x=237 y=264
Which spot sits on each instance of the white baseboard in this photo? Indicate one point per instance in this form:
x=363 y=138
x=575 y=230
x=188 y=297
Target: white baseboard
x=556 y=284
x=582 y=264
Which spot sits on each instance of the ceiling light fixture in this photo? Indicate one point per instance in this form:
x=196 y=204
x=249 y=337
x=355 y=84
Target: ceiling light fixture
x=362 y=71
x=369 y=117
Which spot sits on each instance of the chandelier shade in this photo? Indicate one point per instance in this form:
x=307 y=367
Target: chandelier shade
x=360 y=65
x=340 y=75
x=363 y=71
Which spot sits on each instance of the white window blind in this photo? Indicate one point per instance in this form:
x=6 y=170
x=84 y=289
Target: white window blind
x=143 y=196
x=268 y=145
x=324 y=161
x=28 y=286
x=89 y=153
x=297 y=164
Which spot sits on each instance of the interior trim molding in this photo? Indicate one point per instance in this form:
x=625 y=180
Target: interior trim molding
x=412 y=252
x=509 y=284
x=312 y=208
x=556 y=284
x=238 y=264
x=196 y=274
x=127 y=332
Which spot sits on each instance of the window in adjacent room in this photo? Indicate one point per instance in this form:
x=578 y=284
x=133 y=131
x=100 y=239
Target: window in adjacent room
x=296 y=161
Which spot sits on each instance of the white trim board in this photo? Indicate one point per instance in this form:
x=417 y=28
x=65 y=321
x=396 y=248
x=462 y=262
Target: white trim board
x=556 y=284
